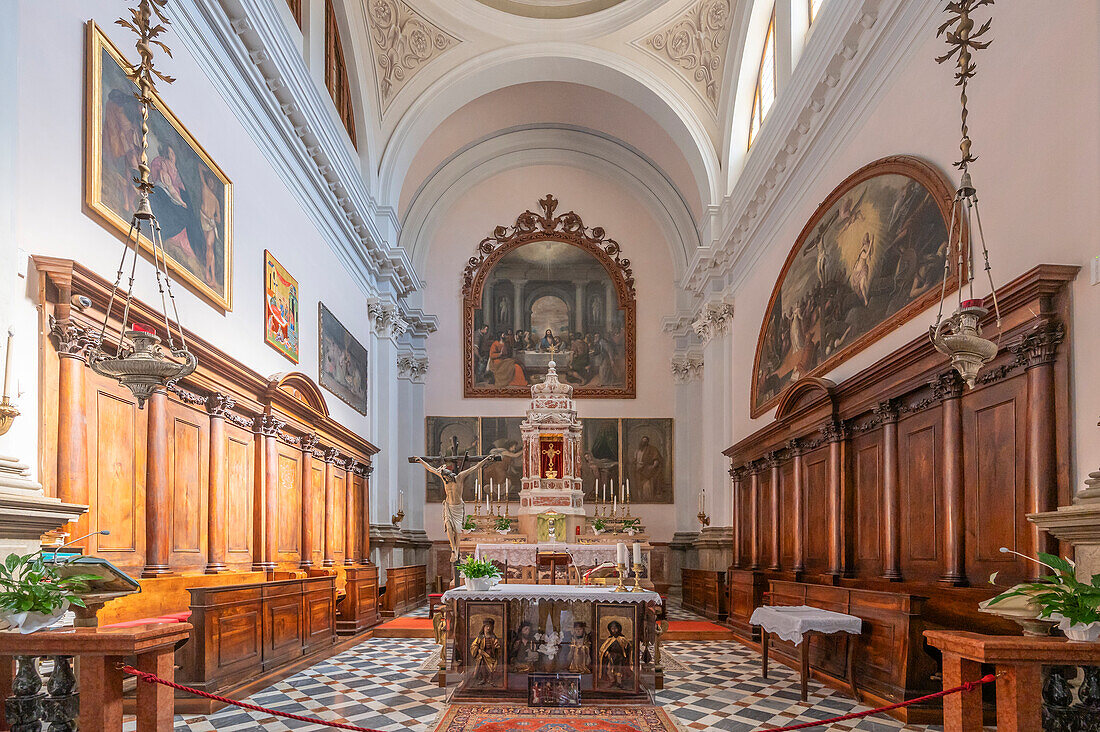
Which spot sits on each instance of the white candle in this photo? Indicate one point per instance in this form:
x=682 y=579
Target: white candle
x=7 y=363
x=628 y=487
x=701 y=501
x=637 y=553
x=401 y=501
x=477 y=490
x=507 y=488
x=620 y=553
x=614 y=504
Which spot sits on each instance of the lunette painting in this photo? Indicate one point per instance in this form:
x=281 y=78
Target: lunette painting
x=871 y=257
x=343 y=361
x=192 y=199
x=281 y=329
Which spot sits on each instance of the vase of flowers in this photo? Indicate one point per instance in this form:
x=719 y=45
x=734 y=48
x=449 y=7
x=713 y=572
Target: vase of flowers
x=468 y=523
x=503 y=525
x=1060 y=596
x=33 y=593
x=480 y=574
x=598 y=526
x=631 y=526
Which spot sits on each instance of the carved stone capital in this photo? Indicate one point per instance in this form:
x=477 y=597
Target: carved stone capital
x=948 y=385
x=713 y=320
x=268 y=425
x=218 y=404
x=412 y=368
x=386 y=319
x=1040 y=344
x=72 y=339
x=835 y=431
x=686 y=369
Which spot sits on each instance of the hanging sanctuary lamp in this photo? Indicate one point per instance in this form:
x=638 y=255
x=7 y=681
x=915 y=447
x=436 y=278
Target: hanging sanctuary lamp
x=959 y=337
x=139 y=361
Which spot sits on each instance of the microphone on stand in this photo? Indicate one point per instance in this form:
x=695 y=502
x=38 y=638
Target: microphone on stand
x=103 y=532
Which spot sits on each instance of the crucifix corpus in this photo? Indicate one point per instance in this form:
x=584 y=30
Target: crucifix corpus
x=454 y=484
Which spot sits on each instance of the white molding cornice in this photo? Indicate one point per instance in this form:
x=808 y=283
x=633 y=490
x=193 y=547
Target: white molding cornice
x=247 y=52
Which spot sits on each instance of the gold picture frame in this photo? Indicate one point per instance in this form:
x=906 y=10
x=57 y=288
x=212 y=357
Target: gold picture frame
x=200 y=206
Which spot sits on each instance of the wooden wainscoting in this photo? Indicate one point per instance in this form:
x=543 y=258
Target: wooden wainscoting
x=358 y=610
x=704 y=592
x=406 y=589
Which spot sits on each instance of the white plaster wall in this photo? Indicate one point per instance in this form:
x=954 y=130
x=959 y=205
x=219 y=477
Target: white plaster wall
x=46 y=111
x=1034 y=109
x=599 y=202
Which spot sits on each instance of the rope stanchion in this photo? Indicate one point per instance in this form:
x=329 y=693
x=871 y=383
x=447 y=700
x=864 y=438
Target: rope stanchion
x=965 y=686
x=154 y=679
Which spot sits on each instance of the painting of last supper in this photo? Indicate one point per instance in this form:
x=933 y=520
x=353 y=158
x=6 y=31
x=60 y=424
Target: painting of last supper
x=548 y=301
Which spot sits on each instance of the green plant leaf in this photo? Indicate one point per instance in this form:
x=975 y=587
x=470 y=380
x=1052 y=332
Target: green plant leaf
x=1056 y=562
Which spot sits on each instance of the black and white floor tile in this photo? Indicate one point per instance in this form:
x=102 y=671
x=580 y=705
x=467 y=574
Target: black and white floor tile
x=376 y=685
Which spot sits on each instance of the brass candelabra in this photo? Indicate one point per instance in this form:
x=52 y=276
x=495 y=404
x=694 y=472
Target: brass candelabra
x=621 y=587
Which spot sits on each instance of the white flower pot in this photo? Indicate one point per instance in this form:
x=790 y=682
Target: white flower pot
x=1082 y=632
x=28 y=622
x=502 y=532
x=479 y=584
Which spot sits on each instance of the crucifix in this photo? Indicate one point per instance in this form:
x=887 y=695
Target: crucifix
x=454 y=483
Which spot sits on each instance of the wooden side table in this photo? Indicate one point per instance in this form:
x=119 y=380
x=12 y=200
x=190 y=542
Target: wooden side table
x=799 y=622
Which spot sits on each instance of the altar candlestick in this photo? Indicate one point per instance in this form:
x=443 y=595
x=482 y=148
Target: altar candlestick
x=620 y=553
x=401 y=501
x=507 y=489
x=7 y=364
x=637 y=553
x=614 y=505
x=628 y=488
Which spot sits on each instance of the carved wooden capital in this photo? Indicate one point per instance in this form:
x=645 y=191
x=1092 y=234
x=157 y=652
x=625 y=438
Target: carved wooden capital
x=309 y=442
x=1040 y=344
x=72 y=339
x=268 y=425
x=947 y=385
x=331 y=454
x=218 y=404
x=796 y=446
x=773 y=459
x=887 y=411
x=835 y=431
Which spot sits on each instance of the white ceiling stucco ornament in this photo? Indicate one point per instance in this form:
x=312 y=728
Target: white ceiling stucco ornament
x=402 y=42
x=695 y=45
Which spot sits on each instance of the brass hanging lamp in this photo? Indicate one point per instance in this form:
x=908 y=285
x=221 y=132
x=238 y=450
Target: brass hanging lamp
x=139 y=361
x=959 y=336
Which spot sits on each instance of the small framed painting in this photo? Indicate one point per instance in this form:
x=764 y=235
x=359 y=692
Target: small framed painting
x=342 y=361
x=193 y=198
x=281 y=329
x=616 y=647
x=486 y=665
x=554 y=690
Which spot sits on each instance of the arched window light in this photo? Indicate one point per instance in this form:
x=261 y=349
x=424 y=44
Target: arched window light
x=814 y=6
x=765 y=83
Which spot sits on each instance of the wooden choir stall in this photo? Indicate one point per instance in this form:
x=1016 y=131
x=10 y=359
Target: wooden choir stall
x=236 y=498
x=888 y=495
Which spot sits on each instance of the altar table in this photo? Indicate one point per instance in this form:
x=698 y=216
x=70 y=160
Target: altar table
x=502 y=637
x=583 y=556
x=793 y=623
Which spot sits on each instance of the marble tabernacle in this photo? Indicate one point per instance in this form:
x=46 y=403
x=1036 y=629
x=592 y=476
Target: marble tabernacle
x=498 y=638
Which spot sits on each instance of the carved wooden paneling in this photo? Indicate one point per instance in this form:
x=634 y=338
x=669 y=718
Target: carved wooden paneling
x=746 y=521
x=705 y=592
x=239 y=454
x=290 y=503
x=766 y=528
x=117 y=437
x=786 y=511
x=995 y=445
x=817 y=511
x=359 y=608
x=339 y=520
x=867 y=491
x=189 y=463
x=317 y=513
x=919 y=481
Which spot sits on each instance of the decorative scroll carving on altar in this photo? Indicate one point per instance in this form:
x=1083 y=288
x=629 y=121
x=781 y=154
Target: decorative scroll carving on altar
x=549 y=288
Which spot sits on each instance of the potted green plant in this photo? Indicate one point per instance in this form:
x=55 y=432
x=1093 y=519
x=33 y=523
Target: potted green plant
x=34 y=594
x=480 y=574
x=468 y=523
x=632 y=525
x=598 y=525
x=1060 y=596
x=503 y=525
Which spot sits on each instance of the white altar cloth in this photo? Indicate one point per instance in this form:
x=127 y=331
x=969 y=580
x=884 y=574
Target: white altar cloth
x=792 y=622
x=568 y=593
x=525 y=555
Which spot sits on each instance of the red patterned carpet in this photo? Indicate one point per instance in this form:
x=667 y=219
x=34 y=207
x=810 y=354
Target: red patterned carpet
x=509 y=718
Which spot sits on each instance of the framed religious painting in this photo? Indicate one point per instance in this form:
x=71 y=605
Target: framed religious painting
x=502 y=436
x=342 y=361
x=599 y=457
x=193 y=197
x=870 y=258
x=616 y=647
x=281 y=329
x=486 y=646
x=648 y=451
x=549 y=289
x=448 y=437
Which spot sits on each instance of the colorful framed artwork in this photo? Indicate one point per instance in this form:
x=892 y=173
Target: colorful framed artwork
x=342 y=361
x=554 y=690
x=869 y=259
x=193 y=198
x=486 y=642
x=548 y=289
x=616 y=647
x=281 y=329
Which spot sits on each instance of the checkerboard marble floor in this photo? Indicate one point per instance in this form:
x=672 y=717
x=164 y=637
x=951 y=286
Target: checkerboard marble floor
x=376 y=685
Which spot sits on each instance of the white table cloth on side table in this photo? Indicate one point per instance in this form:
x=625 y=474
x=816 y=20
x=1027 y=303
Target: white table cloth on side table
x=792 y=623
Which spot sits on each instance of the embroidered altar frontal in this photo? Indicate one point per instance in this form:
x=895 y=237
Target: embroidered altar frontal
x=510 y=718
x=499 y=639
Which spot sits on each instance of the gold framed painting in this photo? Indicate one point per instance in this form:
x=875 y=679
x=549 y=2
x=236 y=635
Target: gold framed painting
x=281 y=324
x=193 y=198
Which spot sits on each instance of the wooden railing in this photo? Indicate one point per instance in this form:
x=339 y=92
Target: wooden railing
x=92 y=696
x=1033 y=689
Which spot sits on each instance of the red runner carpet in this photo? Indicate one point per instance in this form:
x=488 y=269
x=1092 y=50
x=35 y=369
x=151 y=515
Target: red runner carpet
x=510 y=718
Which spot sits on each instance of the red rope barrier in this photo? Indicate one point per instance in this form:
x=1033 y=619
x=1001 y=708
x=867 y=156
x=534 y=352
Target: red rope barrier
x=154 y=679
x=965 y=686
